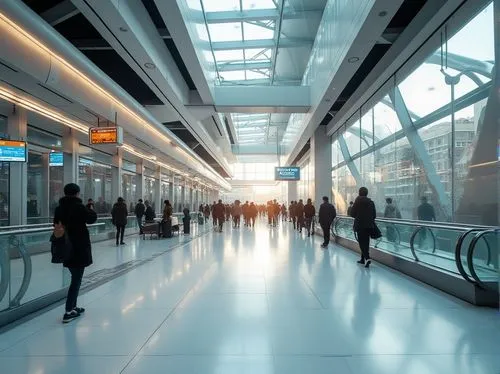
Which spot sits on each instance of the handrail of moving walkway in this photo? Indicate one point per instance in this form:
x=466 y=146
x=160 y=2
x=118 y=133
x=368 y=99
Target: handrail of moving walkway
x=16 y=242
x=458 y=253
x=470 y=254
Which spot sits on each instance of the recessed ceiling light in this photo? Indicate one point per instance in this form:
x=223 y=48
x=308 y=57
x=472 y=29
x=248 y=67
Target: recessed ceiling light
x=353 y=59
x=123 y=29
x=149 y=65
x=382 y=13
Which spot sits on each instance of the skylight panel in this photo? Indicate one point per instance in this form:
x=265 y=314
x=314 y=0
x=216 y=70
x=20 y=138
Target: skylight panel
x=221 y=5
x=258 y=4
x=225 y=32
x=232 y=75
x=230 y=55
x=254 y=32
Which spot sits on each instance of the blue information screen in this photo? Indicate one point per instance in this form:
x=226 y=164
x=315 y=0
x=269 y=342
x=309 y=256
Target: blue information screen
x=291 y=173
x=56 y=159
x=12 y=150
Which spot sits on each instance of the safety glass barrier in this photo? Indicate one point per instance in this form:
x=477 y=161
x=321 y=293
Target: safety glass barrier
x=26 y=271
x=483 y=257
x=441 y=245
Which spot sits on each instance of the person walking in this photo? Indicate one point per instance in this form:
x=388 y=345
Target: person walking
x=119 y=215
x=140 y=210
x=236 y=213
x=309 y=213
x=364 y=214
x=253 y=212
x=349 y=209
x=72 y=217
x=326 y=215
x=299 y=212
x=166 y=220
x=90 y=204
x=219 y=214
x=149 y=215
x=391 y=211
x=425 y=211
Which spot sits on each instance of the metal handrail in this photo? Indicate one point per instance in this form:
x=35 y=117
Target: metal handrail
x=430 y=224
x=458 y=254
x=470 y=254
x=39 y=230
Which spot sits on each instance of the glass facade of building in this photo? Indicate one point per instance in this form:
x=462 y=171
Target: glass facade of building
x=428 y=134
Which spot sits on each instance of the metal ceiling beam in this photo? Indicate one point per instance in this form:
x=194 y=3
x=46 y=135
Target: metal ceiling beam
x=91 y=44
x=262 y=82
x=60 y=13
x=254 y=15
x=230 y=66
x=261 y=43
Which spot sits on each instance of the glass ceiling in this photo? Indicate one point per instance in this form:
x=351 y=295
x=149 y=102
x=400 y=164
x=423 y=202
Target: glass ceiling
x=247 y=36
x=261 y=42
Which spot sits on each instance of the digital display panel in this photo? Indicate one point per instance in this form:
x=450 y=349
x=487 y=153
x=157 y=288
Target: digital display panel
x=291 y=173
x=12 y=150
x=56 y=159
x=106 y=135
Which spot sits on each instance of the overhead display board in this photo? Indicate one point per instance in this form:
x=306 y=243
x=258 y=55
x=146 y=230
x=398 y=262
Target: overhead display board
x=56 y=159
x=106 y=135
x=291 y=173
x=12 y=150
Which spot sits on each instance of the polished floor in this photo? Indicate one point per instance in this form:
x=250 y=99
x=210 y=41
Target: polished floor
x=259 y=301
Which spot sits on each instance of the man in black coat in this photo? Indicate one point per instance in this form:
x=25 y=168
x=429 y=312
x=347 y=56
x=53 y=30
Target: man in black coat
x=327 y=214
x=309 y=213
x=219 y=214
x=140 y=210
x=119 y=215
x=74 y=216
x=364 y=214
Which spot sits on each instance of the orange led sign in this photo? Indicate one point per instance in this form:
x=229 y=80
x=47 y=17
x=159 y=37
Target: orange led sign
x=106 y=135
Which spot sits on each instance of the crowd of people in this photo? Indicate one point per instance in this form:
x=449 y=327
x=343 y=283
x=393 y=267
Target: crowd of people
x=71 y=243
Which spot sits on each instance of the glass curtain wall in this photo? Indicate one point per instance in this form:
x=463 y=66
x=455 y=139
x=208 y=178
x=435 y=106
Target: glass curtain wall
x=305 y=186
x=427 y=137
x=95 y=183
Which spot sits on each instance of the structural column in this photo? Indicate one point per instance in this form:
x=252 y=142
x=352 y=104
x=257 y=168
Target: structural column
x=159 y=202
x=17 y=128
x=70 y=156
x=139 y=169
x=321 y=160
x=116 y=173
x=45 y=199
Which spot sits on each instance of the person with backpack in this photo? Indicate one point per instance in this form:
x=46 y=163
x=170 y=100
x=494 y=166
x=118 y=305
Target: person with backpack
x=140 y=210
x=71 y=218
x=119 y=214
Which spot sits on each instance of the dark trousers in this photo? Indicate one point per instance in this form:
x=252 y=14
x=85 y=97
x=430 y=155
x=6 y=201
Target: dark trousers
x=220 y=223
x=74 y=288
x=300 y=223
x=139 y=223
x=252 y=221
x=294 y=220
x=308 y=224
x=326 y=233
x=120 y=231
x=364 y=243
x=236 y=220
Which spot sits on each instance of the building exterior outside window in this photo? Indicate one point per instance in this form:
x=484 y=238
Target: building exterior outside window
x=416 y=142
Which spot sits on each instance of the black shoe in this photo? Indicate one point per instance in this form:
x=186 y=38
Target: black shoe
x=68 y=317
x=79 y=310
x=361 y=262
x=368 y=263
x=122 y=243
x=308 y=235
x=324 y=246
x=117 y=244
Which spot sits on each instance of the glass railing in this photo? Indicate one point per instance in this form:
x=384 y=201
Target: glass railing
x=27 y=274
x=469 y=251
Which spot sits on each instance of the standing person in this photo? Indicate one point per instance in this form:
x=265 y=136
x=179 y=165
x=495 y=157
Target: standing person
x=252 y=212
x=218 y=214
x=227 y=207
x=364 y=214
x=149 y=215
x=299 y=212
x=166 y=221
x=244 y=210
x=214 y=217
x=293 y=217
x=425 y=211
x=139 y=211
x=349 y=209
x=186 y=221
x=206 y=212
x=73 y=217
x=327 y=214
x=283 y=212
x=90 y=204
x=236 y=213
x=309 y=213
x=391 y=211
x=119 y=215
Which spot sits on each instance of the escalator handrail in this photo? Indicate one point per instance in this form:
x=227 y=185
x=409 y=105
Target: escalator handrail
x=470 y=254
x=39 y=230
x=458 y=254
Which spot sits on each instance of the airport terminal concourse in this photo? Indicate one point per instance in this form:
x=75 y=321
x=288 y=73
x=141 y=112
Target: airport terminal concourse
x=249 y=186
